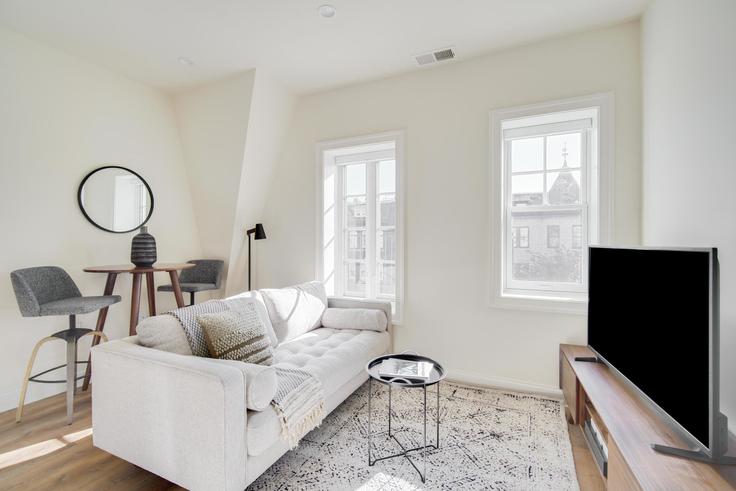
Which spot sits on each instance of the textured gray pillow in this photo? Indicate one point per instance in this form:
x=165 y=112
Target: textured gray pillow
x=231 y=335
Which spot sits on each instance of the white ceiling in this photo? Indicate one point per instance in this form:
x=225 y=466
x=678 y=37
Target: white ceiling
x=368 y=39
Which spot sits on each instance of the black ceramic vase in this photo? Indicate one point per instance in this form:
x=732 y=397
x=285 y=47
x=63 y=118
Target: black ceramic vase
x=143 y=249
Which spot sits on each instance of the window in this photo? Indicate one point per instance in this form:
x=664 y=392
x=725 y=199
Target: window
x=577 y=237
x=553 y=237
x=520 y=237
x=360 y=248
x=551 y=168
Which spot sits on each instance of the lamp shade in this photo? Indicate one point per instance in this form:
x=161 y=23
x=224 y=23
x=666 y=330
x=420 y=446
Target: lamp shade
x=260 y=233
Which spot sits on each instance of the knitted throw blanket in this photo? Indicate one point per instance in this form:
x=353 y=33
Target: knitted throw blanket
x=187 y=317
x=299 y=400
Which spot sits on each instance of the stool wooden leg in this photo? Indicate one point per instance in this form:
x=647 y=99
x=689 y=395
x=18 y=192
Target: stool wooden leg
x=24 y=389
x=98 y=334
x=71 y=378
x=101 y=317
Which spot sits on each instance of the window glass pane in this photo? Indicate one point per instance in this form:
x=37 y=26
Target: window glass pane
x=386 y=245
x=520 y=237
x=387 y=210
x=387 y=279
x=563 y=188
x=563 y=149
x=527 y=189
x=355 y=276
x=577 y=236
x=354 y=179
x=387 y=176
x=356 y=242
x=355 y=211
x=540 y=263
x=553 y=236
x=527 y=154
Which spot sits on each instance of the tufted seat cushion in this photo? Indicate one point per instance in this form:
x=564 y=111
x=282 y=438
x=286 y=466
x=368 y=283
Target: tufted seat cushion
x=334 y=356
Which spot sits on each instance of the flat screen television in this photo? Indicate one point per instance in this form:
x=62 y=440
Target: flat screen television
x=653 y=318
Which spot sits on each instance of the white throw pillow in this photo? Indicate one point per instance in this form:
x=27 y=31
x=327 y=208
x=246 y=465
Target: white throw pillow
x=240 y=303
x=362 y=319
x=296 y=309
x=163 y=332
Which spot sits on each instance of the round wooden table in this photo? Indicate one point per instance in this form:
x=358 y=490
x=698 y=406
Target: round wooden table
x=135 y=296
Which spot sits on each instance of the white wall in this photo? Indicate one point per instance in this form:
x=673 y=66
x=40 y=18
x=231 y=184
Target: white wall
x=270 y=116
x=213 y=121
x=689 y=157
x=444 y=112
x=60 y=118
x=232 y=133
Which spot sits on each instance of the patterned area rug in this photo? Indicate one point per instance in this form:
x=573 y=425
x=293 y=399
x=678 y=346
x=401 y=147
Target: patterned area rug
x=489 y=439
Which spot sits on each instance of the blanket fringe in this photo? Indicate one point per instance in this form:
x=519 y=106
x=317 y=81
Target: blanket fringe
x=294 y=433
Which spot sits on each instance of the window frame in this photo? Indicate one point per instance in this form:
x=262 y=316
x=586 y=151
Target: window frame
x=332 y=157
x=600 y=184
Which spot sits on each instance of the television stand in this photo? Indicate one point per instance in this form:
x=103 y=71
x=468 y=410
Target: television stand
x=698 y=455
x=589 y=359
x=627 y=426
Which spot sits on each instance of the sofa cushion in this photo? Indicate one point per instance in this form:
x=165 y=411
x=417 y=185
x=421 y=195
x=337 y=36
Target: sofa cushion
x=296 y=309
x=334 y=356
x=163 y=332
x=232 y=335
x=361 y=319
x=244 y=300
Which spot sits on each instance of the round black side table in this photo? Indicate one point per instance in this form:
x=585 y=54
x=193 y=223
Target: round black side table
x=435 y=377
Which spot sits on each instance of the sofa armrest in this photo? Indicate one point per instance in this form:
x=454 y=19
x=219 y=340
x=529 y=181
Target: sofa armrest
x=181 y=417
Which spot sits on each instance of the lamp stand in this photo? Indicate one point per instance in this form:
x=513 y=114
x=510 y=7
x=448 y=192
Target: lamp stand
x=248 y=261
x=259 y=235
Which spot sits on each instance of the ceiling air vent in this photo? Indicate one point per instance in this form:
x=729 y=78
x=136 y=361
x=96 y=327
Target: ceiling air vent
x=435 y=56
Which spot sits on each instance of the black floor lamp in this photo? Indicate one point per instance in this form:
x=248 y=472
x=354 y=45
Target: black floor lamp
x=260 y=234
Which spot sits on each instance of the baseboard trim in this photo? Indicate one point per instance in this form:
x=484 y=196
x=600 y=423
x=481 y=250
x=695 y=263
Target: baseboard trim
x=495 y=382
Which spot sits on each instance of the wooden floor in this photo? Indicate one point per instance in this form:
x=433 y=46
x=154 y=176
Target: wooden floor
x=44 y=453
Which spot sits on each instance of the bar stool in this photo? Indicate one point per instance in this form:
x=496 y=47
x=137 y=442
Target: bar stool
x=206 y=275
x=49 y=290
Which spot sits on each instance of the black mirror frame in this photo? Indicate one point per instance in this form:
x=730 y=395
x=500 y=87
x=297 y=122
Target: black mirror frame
x=81 y=205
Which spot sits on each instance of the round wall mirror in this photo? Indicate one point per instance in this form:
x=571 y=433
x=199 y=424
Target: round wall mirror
x=115 y=199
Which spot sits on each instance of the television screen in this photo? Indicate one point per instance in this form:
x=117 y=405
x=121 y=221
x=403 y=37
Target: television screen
x=649 y=318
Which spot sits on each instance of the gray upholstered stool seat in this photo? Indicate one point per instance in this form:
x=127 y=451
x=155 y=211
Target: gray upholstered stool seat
x=190 y=287
x=78 y=305
x=206 y=275
x=49 y=290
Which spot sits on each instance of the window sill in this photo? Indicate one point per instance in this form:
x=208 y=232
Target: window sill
x=541 y=303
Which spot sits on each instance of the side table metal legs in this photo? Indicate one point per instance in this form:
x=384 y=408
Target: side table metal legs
x=405 y=451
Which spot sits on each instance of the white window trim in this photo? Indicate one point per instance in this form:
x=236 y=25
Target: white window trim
x=398 y=137
x=548 y=302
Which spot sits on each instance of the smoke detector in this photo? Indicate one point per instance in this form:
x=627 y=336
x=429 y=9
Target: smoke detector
x=435 y=56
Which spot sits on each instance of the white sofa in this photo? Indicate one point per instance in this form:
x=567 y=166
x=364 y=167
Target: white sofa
x=185 y=417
